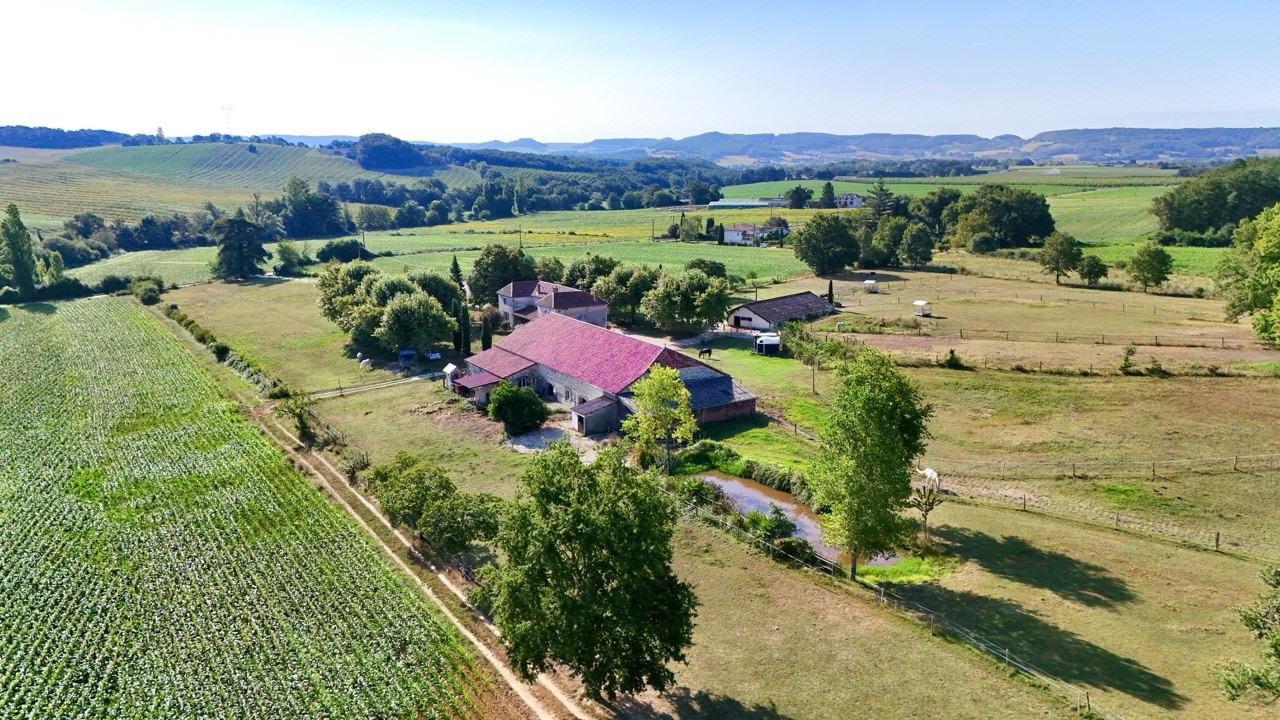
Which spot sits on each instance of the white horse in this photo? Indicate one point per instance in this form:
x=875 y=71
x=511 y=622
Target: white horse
x=931 y=478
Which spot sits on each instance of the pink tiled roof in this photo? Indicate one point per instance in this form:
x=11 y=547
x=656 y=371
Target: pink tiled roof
x=608 y=360
x=499 y=362
x=479 y=379
x=741 y=228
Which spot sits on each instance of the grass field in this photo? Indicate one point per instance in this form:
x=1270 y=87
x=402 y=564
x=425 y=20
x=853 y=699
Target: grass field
x=308 y=350
x=225 y=164
x=911 y=187
x=1106 y=217
x=162 y=559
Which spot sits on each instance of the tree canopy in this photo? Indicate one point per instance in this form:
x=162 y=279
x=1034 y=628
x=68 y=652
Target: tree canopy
x=1222 y=196
x=587 y=582
x=1012 y=217
x=662 y=414
x=1249 y=275
x=519 y=409
x=1150 y=266
x=1060 y=255
x=687 y=303
x=17 y=256
x=826 y=243
x=876 y=429
x=1262 y=618
x=240 y=250
x=496 y=266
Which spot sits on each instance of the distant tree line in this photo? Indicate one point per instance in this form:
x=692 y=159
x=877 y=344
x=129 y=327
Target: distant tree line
x=1207 y=209
x=44 y=137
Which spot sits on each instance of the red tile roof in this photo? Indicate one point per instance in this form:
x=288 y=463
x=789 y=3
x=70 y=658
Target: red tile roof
x=499 y=362
x=568 y=300
x=606 y=359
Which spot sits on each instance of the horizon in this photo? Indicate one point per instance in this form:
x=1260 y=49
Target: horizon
x=574 y=72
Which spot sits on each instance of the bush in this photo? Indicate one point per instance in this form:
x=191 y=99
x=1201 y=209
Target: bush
x=149 y=295
x=65 y=288
x=342 y=250
x=519 y=409
x=220 y=350
x=9 y=296
x=796 y=547
x=112 y=284
x=953 y=361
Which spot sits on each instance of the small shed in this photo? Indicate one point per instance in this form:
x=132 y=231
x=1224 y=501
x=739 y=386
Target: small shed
x=408 y=358
x=768 y=344
x=871 y=286
x=922 y=308
x=595 y=416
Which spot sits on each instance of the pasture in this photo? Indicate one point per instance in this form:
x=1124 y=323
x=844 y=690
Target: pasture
x=156 y=535
x=230 y=165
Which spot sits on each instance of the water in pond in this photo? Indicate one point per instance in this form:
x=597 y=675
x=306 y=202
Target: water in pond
x=749 y=495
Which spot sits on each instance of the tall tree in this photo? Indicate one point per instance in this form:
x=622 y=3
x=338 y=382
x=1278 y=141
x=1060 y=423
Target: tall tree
x=876 y=429
x=240 y=250
x=18 y=252
x=798 y=196
x=496 y=266
x=687 y=303
x=587 y=582
x=550 y=268
x=828 y=197
x=413 y=320
x=455 y=272
x=1091 y=270
x=826 y=243
x=1060 y=255
x=1150 y=266
x=1262 y=617
x=916 y=248
x=662 y=414
x=626 y=286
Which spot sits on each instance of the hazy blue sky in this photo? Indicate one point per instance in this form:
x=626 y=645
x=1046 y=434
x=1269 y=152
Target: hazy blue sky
x=472 y=71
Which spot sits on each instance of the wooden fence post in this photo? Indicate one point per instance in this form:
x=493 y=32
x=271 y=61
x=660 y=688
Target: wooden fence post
x=1217 y=540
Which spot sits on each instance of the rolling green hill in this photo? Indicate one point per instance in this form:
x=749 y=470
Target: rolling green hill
x=225 y=164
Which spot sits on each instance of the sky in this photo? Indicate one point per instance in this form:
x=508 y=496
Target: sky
x=576 y=71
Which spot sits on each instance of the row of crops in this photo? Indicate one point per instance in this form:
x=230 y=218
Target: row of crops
x=160 y=559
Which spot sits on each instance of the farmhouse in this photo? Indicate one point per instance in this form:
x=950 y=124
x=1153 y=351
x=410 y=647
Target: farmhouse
x=771 y=313
x=523 y=300
x=741 y=234
x=592 y=370
x=849 y=200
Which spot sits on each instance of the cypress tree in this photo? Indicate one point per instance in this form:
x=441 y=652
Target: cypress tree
x=464 y=325
x=457 y=333
x=831 y=292
x=17 y=250
x=455 y=272
x=486 y=335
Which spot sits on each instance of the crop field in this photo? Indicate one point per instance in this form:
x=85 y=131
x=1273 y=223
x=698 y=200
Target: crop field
x=183 y=267
x=161 y=559
x=910 y=187
x=225 y=164
x=1108 y=216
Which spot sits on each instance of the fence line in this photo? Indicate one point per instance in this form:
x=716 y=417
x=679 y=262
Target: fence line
x=1096 y=338
x=938 y=622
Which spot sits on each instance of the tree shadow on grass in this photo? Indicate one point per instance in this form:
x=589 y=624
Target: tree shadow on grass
x=4 y=314
x=1058 y=652
x=264 y=281
x=686 y=703
x=43 y=308
x=1016 y=559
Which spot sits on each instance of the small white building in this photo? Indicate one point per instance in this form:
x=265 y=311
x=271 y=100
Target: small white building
x=871 y=286
x=741 y=234
x=922 y=308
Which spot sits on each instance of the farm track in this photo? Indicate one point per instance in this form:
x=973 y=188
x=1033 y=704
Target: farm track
x=334 y=484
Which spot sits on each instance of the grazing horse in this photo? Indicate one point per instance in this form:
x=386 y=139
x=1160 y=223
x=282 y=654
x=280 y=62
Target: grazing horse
x=704 y=353
x=931 y=478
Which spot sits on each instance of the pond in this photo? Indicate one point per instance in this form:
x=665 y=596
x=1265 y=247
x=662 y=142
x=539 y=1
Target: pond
x=747 y=495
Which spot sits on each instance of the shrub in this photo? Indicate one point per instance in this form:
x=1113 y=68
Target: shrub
x=112 y=284
x=149 y=295
x=796 y=547
x=342 y=250
x=953 y=361
x=65 y=288
x=519 y=409
x=220 y=350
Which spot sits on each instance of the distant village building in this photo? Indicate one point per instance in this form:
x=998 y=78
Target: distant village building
x=741 y=234
x=524 y=300
x=592 y=370
x=849 y=200
x=774 y=312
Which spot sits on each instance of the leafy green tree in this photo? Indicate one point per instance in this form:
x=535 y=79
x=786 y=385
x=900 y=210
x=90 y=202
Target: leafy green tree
x=826 y=243
x=876 y=429
x=1249 y=274
x=240 y=250
x=935 y=210
x=687 y=303
x=587 y=583
x=1221 y=196
x=413 y=320
x=916 y=247
x=1012 y=216
x=444 y=290
x=828 y=197
x=455 y=521
x=1150 y=266
x=690 y=228
x=713 y=268
x=886 y=241
x=626 y=286
x=798 y=196
x=1262 y=617
x=585 y=271
x=339 y=287
x=550 y=268
x=496 y=266
x=519 y=409
x=662 y=414
x=1061 y=254
x=17 y=252
x=290 y=259
x=411 y=214
x=380 y=289
x=406 y=487
x=1092 y=269
x=455 y=272
x=882 y=203
x=374 y=217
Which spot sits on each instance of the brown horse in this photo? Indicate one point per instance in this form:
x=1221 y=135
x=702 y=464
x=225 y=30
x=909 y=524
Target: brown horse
x=704 y=352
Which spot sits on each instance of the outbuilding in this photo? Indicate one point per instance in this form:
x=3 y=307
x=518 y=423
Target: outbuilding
x=768 y=344
x=871 y=286
x=923 y=308
x=772 y=313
